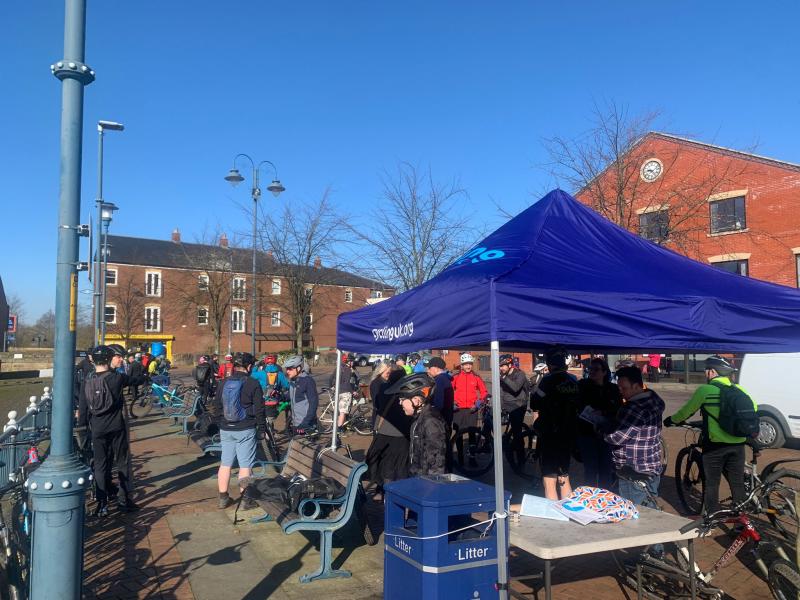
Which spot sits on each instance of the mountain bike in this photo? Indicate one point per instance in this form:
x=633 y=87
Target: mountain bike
x=775 y=485
x=359 y=419
x=160 y=395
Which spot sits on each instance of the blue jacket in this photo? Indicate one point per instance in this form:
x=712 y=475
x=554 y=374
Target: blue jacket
x=304 y=399
x=281 y=382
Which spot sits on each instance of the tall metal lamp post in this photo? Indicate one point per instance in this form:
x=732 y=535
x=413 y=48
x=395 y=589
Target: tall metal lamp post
x=234 y=177
x=107 y=210
x=99 y=307
x=57 y=489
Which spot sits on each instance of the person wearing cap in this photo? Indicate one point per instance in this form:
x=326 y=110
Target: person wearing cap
x=723 y=453
x=348 y=385
x=109 y=433
x=239 y=406
x=427 y=449
x=302 y=395
x=443 y=397
x=469 y=393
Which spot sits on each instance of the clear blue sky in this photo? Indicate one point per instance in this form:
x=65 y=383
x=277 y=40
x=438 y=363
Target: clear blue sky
x=336 y=92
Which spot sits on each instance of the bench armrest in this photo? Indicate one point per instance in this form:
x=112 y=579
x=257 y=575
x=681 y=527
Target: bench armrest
x=317 y=504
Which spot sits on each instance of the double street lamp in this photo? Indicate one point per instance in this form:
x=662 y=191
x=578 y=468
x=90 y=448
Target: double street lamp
x=234 y=177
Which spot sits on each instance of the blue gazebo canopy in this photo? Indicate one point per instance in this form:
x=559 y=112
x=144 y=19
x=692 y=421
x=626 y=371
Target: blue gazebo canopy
x=560 y=273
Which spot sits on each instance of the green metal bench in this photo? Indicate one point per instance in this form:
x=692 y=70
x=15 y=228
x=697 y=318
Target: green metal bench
x=312 y=460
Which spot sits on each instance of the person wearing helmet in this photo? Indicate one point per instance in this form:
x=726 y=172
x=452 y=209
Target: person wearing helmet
x=348 y=385
x=427 y=449
x=514 y=397
x=242 y=421
x=226 y=368
x=101 y=409
x=133 y=368
x=469 y=392
x=302 y=395
x=400 y=362
x=204 y=377
x=83 y=371
x=556 y=402
x=416 y=363
x=723 y=453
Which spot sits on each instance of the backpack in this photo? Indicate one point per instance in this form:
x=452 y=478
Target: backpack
x=737 y=416
x=202 y=373
x=98 y=395
x=232 y=400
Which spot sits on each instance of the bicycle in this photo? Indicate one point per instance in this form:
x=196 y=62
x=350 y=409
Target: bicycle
x=777 y=485
x=359 y=419
x=473 y=447
x=671 y=576
x=162 y=396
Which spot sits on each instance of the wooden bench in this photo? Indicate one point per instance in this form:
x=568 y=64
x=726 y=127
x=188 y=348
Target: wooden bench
x=185 y=411
x=312 y=460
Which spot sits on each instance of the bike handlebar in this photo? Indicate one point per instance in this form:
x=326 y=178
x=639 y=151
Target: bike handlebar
x=707 y=521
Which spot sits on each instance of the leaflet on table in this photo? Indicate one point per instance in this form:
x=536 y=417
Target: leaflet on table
x=542 y=508
x=577 y=512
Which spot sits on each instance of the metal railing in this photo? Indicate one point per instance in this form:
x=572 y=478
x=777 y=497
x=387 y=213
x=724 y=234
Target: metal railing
x=19 y=434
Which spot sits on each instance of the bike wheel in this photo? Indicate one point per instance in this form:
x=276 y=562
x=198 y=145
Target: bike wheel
x=780 y=500
x=270 y=445
x=361 y=422
x=661 y=578
x=143 y=406
x=689 y=480
x=784 y=580
x=325 y=420
x=473 y=452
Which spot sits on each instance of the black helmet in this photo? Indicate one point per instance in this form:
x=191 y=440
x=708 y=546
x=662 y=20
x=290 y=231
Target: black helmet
x=243 y=359
x=719 y=364
x=117 y=350
x=556 y=357
x=414 y=357
x=402 y=357
x=416 y=384
x=102 y=355
x=350 y=357
x=506 y=359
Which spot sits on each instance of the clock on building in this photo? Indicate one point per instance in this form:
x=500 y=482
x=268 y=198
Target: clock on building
x=651 y=169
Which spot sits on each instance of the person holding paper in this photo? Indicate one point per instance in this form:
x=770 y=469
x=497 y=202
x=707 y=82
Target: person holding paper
x=597 y=410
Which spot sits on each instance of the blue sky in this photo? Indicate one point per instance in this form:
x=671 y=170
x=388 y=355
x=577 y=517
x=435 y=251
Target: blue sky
x=335 y=93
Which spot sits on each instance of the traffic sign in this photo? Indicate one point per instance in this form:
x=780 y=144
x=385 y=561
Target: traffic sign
x=12 y=324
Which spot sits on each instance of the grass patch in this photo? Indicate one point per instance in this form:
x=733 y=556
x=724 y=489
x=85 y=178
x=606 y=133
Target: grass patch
x=15 y=393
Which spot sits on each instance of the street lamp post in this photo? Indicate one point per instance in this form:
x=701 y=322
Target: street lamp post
x=276 y=187
x=99 y=309
x=57 y=488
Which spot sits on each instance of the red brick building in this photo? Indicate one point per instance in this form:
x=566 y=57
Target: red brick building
x=735 y=210
x=195 y=297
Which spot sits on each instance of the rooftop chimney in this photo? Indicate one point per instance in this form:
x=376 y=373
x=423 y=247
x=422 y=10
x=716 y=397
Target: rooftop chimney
x=317 y=263
x=223 y=240
x=176 y=235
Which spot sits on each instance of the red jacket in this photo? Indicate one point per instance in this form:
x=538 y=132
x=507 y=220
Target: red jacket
x=467 y=389
x=225 y=370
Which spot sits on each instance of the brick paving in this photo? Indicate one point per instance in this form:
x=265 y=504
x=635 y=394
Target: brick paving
x=178 y=544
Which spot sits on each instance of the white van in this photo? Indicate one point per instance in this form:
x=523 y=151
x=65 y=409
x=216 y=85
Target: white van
x=771 y=380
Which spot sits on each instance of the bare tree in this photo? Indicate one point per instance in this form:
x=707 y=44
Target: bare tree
x=417 y=230
x=298 y=240
x=16 y=306
x=129 y=299
x=602 y=166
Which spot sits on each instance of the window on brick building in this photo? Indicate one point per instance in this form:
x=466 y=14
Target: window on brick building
x=376 y=294
x=152 y=283
x=275 y=318
x=152 y=318
x=309 y=292
x=237 y=320
x=739 y=267
x=239 y=288
x=111 y=277
x=727 y=215
x=111 y=314
x=308 y=323
x=202 y=315
x=348 y=295
x=202 y=282
x=654 y=226
x=276 y=287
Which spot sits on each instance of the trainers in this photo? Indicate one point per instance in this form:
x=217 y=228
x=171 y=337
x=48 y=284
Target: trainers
x=224 y=501
x=248 y=504
x=101 y=510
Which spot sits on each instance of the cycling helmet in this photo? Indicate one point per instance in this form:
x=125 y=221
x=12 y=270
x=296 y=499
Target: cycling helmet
x=243 y=359
x=414 y=357
x=540 y=367
x=719 y=364
x=556 y=357
x=416 y=384
x=270 y=359
x=402 y=357
x=229 y=357
x=467 y=358
x=293 y=362
x=117 y=349
x=506 y=359
x=348 y=358
x=102 y=355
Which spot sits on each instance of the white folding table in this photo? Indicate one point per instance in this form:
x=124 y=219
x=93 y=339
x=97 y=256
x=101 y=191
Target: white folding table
x=549 y=540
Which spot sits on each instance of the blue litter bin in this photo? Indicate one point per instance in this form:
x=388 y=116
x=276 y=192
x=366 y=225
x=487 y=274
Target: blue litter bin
x=425 y=555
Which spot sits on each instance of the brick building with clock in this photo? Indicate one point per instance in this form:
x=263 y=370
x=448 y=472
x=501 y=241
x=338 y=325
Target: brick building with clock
x=735 y=210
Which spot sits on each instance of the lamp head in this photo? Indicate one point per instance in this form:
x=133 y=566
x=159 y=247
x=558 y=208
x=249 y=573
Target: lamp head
x=107 y=212
x=111 y=125
x=276 y=187
x=234 y=177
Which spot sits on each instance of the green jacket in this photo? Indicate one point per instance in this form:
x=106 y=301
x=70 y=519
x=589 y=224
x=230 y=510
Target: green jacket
x=703 y=396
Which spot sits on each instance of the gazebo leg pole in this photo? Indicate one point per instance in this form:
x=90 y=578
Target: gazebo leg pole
x=499 y=492
x=334 y=442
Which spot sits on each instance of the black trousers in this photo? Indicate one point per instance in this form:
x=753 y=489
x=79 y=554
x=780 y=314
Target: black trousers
x=719 y=459
x=111 y=452
x=515 y=419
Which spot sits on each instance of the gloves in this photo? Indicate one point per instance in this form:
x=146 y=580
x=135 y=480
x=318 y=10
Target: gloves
x=668 y=422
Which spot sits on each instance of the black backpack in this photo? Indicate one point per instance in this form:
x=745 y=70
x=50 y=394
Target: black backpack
x=737 y=416
x=98 y=395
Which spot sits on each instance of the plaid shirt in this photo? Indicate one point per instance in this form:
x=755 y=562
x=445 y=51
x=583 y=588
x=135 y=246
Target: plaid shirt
x=635 y=441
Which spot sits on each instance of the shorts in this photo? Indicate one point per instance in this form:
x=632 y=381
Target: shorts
x=345 y=401
x=238 y=445
x=554 y=461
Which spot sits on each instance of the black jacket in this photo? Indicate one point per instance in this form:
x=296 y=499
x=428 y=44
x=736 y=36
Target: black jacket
x=443 y=395
x=605 y=398
x=348 y=380
x=83 y=371
x=113 y=420
x=252 y=403
x=556 y=400
x=513 y=390
x=428 y=443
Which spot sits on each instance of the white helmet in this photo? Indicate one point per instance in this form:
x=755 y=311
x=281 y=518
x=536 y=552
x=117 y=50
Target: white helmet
x=467 y=358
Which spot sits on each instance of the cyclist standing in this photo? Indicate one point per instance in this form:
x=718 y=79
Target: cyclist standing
x=469 y=392
x=514 y=397
x=723 y=453
x=302 y=395
x=204 y=377
x=348 y=385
